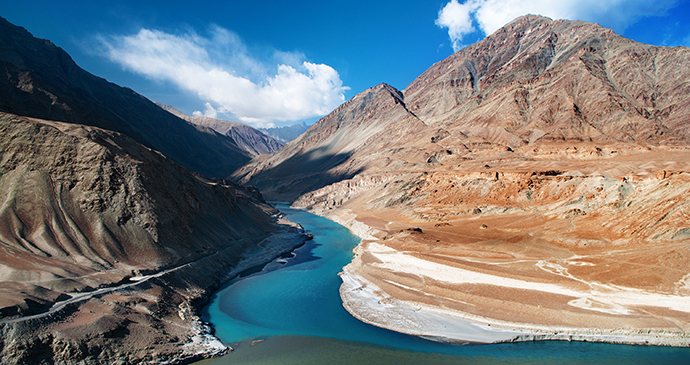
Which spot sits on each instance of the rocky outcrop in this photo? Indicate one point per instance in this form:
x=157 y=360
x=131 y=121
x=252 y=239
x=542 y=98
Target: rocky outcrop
x=253 y=141
x=40 y=80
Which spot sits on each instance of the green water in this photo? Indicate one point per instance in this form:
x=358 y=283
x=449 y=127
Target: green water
x=291 y=313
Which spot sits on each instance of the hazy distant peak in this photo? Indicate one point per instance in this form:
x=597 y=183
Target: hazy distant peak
x=250 y=139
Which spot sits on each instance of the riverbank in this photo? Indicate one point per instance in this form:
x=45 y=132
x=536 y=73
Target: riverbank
x=154 y=320
x=470 y=300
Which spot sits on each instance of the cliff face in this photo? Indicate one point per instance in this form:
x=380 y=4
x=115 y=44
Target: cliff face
x=40 y=80
x=253 y=141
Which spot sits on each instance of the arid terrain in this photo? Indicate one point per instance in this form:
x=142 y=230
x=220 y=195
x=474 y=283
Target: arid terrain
x=108 y=247
x=534 y=182
x=531 y=186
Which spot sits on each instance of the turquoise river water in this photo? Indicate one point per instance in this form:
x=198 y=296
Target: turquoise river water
x=289 y=312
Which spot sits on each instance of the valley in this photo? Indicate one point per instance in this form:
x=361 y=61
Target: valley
x=531 y=186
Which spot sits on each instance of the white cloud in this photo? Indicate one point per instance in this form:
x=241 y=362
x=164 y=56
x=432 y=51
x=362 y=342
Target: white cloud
x=490 y=15
x=209 y=111
x=222 y=72
x=456 y=17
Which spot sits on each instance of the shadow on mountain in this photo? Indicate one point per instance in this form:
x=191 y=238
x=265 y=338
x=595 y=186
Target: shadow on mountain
x=302 y=173
x=40 y=80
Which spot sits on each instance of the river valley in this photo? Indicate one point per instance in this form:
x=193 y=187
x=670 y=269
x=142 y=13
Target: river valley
x=290 y=312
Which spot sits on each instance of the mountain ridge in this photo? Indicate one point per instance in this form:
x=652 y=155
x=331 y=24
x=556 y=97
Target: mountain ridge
x=551 y=152
x=252 y=140
x=41 y=80
x=85 y=209
x=531 y=89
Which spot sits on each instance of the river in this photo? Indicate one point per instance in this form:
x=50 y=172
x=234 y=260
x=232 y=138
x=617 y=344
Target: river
x=289 y=312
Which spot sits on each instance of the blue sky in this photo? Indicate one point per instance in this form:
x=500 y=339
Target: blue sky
x=278 y=62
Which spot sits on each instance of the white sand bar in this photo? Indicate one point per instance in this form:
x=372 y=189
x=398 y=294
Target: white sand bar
x=369 y=303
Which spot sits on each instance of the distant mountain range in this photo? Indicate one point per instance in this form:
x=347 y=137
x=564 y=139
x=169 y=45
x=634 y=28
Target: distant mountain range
x=287 y=133
x=251 y=140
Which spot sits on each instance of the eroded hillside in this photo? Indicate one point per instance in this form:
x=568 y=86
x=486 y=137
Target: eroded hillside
x=107 y=245
x=543 y=166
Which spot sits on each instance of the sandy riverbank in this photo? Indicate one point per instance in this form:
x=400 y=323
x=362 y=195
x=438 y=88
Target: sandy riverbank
x=467 y=300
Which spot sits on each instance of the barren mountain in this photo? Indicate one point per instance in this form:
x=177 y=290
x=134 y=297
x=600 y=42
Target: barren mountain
x=40 y=80
x=85 y=208
x=249 y=139
x=533 y=181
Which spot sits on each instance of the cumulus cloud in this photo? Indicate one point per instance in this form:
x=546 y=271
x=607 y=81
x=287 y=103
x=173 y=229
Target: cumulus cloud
x=490 y=15
x=223 y=73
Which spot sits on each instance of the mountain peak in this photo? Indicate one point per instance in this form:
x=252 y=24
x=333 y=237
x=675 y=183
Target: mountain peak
x=528 y=21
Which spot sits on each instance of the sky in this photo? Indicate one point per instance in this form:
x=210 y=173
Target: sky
x=276 y=63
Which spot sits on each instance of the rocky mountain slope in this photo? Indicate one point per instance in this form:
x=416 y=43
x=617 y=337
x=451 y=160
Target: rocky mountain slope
x=109 y=245
x=252 y=140
x=40 y=80
x=551 y=152
x=533 y=82
x=85 y=208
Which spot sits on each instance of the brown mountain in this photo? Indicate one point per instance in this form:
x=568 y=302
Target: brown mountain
x=252 y=140
x=85 y=208
x=108 y=247
x=40 y=80
x=539 y=172
x=533 y=82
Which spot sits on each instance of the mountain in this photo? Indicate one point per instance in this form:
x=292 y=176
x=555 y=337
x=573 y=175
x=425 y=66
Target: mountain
x=40 y=80
x=534 y=81
x=251 y=140
x=325 y=153
x=531 y=182
x=287 y=133
x=131 y=242
x=109 y=244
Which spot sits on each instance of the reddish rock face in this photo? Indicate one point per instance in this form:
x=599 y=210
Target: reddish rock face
x=539 y=80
